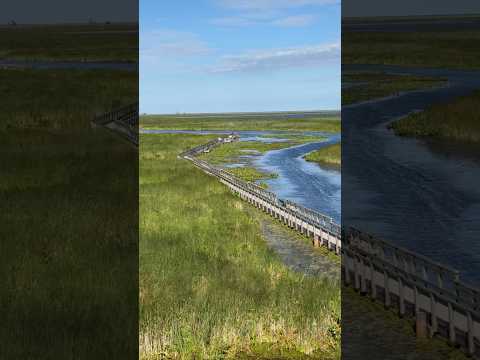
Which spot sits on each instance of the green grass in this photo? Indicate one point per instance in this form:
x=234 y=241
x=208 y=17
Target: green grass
x=68 y=269
x=378 y=85
x=209 y=285
x=331 y=155
x=415 y=49
x=114 y=42
x=330 y=123
x=62 y=99
x=458 y=120
x=251 y=174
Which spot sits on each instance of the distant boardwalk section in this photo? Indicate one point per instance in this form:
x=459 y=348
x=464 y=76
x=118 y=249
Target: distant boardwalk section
x=123 y=121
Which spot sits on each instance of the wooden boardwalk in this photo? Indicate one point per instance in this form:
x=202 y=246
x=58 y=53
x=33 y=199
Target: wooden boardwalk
x=415 y=286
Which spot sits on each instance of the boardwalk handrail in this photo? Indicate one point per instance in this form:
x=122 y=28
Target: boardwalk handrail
x=123 y=121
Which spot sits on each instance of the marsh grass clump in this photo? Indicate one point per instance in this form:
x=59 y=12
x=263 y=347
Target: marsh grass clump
x=251 y=174
x=458 y=120
x=330 y=155
x=210 y=288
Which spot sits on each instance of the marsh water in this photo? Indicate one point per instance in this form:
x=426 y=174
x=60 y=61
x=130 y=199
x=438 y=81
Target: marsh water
x=393 y=185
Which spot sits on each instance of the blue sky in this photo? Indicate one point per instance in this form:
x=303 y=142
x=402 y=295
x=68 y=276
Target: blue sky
x=239 y=55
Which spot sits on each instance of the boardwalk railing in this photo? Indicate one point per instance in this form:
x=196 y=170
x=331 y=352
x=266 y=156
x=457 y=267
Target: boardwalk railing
x=123 y=121
x=410 y=283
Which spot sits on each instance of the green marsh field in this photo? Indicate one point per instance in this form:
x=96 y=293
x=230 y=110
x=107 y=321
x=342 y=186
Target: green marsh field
x=68 y=198
x=413 y=48
x=68 y=270
x=209 y=285
x=328 y=122
x=87 y=42
x=62 y=99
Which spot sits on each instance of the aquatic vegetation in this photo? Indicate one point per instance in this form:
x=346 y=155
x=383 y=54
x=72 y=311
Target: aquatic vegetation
x=251 y=174
x=366 y=86
x=458 y=120
x=331 y=154
x=231 y=152
x=209 y=285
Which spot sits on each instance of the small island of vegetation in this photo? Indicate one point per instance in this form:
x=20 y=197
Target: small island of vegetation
x=329 y=155
x=458 y=120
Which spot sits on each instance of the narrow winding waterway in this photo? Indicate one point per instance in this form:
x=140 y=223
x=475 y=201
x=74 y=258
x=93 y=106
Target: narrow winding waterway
x=394 y=185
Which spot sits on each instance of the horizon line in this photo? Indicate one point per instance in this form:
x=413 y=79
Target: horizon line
x=243 y=112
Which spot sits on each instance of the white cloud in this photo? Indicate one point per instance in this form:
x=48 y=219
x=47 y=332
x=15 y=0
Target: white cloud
x=165 y=43
x=314 y=55
x=295 y=21
x=233 y=21
x=272 y=4
x=264 y=19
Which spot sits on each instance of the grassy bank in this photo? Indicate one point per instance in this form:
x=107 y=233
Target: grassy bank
x=330 y=155
x=249 y=173
x=68 y=264
x=62 y=99
x=100 y=42
x=458 y=120
x=209 y=286
x=414 y=48
x=330 y=123
x=368 y=86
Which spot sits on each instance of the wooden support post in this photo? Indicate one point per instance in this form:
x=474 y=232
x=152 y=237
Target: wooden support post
x=421 y=324
x=471 y=343
x=363 y=282
x=451 y=324
x=434 y=327
x=387 y=289
x=401 y=295
x=372 y=280
x=355 y=271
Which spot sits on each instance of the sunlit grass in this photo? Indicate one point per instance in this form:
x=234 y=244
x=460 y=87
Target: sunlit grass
x=251 y=174
x=274 y=122
x=209 y=285
x=331 y=154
